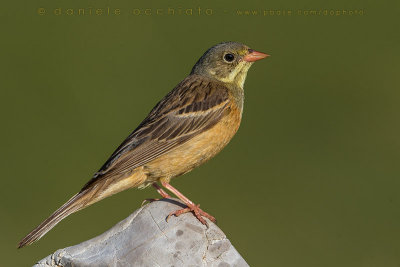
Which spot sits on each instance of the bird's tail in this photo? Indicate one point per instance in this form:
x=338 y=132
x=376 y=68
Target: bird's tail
x=92 y=192
x=73 y=205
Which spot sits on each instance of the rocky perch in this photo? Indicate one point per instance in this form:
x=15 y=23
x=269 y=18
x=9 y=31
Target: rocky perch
x=145 y=238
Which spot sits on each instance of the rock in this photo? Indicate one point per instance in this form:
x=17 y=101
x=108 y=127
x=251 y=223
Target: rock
x=145 y=238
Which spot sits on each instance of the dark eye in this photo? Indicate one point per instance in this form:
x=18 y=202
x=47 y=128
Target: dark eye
x=229 y=57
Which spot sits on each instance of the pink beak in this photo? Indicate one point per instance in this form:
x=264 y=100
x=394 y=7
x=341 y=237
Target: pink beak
x=254 y=56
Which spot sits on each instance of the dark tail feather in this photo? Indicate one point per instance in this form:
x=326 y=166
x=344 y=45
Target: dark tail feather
x=71 y=206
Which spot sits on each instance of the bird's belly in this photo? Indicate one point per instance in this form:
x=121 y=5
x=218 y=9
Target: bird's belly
x=196 y=151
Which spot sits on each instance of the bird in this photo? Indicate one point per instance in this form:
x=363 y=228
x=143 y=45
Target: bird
x=186 y=128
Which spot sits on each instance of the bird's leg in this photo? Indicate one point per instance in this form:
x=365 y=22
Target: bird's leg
x=191 y=207
x=160 y=191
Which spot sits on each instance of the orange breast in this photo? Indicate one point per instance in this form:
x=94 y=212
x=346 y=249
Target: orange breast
x=196 y=151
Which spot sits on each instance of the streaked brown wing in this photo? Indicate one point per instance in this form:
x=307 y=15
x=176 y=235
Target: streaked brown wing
x=193 y=106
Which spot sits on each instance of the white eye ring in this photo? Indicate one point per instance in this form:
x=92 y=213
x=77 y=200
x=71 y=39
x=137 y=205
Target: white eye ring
x=228 y=57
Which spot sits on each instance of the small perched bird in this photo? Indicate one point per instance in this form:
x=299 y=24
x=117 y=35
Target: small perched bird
x=190 y=125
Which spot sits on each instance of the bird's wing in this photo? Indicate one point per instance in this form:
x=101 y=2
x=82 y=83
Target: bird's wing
x=195 y=105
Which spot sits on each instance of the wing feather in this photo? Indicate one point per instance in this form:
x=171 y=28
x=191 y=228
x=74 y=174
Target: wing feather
x=193 y=106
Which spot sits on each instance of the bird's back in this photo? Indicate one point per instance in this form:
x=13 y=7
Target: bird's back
x=198 y=109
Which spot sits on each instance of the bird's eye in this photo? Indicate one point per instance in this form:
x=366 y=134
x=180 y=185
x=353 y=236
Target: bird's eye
x=229 y=57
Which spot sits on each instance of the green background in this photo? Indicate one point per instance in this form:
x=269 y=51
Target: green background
x=311 y=178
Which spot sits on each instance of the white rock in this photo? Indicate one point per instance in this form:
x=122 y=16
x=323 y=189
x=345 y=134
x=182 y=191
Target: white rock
x=145 y=238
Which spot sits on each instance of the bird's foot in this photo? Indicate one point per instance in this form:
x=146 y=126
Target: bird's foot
x=197 y=212
x=191 y=207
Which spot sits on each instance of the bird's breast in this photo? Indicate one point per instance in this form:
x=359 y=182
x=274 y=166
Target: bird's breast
x=197 y=150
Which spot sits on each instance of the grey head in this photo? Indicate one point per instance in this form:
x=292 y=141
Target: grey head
x=227 y=62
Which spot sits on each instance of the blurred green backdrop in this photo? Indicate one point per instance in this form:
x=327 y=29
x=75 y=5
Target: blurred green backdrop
x=312 y=177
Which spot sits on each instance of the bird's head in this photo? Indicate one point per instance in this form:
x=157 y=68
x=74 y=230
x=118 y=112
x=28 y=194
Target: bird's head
x=227 y=62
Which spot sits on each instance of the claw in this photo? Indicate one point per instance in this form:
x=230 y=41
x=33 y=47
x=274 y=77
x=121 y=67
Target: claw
x=149 y=200
x=191 y=207
x=197 y=212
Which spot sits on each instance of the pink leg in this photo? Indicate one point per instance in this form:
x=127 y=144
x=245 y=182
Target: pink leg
x=191 y=207
x=160 y=191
